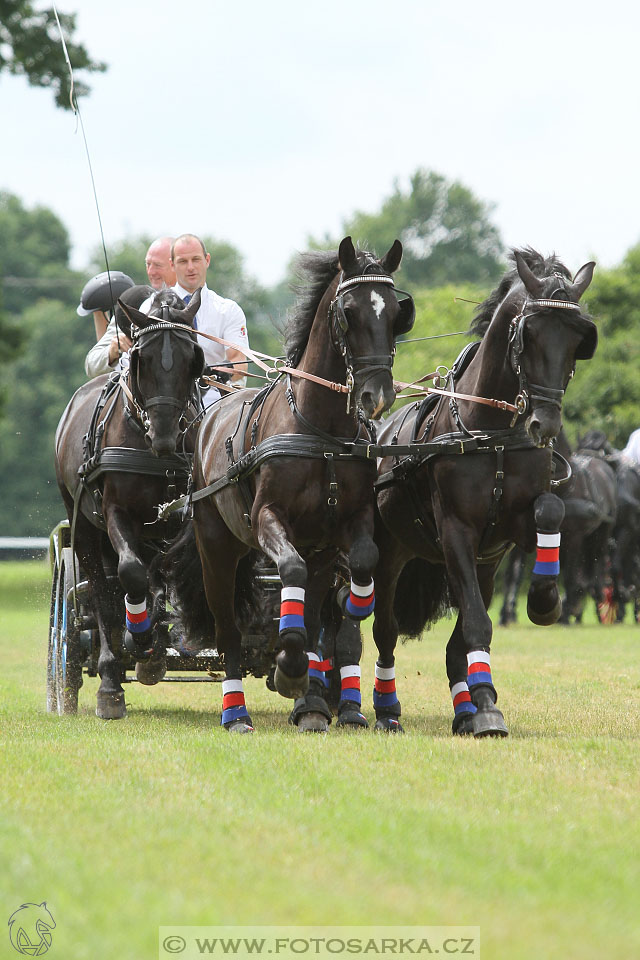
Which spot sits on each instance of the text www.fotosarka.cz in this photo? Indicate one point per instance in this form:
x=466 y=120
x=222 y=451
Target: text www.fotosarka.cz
x=289 y=942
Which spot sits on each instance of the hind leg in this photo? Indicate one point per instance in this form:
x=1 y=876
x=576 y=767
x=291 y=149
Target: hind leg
x=472 y=587
x=385 y=635
x=219 y=553
x=311 y=712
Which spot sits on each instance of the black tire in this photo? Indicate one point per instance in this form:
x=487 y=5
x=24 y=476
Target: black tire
x=68 y=650
x=54 y=632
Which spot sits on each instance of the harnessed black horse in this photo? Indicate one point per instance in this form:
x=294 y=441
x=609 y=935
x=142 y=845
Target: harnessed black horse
x=122 y=447
x=288 y=470
x=446 y=517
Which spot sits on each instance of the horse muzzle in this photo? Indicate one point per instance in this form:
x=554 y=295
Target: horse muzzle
x=376 y=394
x=544 y=423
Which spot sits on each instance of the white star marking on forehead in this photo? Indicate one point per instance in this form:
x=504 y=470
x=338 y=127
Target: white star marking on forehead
x=378 y=303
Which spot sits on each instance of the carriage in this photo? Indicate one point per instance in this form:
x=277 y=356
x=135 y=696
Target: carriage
x=74 y=642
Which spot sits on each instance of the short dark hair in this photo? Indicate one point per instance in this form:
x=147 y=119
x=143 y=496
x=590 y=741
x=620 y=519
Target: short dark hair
x=187 y=236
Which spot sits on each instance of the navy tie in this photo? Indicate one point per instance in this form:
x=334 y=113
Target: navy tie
x=187 y=299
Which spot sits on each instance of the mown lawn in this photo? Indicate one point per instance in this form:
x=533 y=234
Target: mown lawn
x=163 y=818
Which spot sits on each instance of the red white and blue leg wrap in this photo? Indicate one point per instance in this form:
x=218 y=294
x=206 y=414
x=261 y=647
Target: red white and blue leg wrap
x=137 y=616
x=548 y=555
x=350 y=684
x=361 y=600
x=318 y=668
x=292 y=609
x=233 y=705
x=478 y=669
x=462 y=699
x=384 y=691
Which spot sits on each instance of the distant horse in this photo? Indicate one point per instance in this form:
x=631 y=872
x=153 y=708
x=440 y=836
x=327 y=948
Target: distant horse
x=626 y=536
x=590 y=503
x=116 y=460
x=448 y=514
x=286 y=470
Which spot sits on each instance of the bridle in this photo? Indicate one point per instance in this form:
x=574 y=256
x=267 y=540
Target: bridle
x=141 y=337
x=360 y=368
x=528 y=391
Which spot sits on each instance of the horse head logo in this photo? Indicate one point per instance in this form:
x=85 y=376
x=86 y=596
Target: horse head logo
x=30 y=929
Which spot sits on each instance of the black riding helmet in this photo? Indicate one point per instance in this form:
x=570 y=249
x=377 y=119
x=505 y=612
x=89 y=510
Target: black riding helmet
x=99 y=294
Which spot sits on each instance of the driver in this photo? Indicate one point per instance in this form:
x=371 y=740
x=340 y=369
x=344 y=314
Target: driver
x=103 y=356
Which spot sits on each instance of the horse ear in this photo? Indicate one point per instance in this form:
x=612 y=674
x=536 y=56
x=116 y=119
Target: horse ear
x=533 y=285
x=392 y=258
x=346 y=254
x=581 y=280
x=189 y=312
x=127 y=315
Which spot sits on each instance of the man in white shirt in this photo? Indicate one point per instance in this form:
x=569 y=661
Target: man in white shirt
x=217 y=316
x=103 y=356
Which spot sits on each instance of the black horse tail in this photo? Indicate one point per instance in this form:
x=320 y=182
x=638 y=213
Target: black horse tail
x=422 y=596
x=256 y=608
x=182 y=572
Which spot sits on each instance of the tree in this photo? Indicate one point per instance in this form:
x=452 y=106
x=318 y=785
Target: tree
x=39 y=386
x=30 y=46
x=445 y=230
x=34 y=256
x=605 y=393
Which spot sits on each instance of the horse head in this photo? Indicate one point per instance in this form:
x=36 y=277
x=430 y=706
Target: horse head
x=366 y=317
x=165 y=362
x=547 y=334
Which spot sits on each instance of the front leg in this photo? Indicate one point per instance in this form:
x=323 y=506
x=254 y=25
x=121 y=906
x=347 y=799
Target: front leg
x=291 y=676
x=124 y=534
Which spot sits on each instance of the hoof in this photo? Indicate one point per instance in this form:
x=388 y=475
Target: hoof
x=388 y=725
x=312 y=722
x=350 y=718
x=140 y=648
x=150 y=672
x=110 y=706
x=239 y=726
x=462 y=725
x=544 y=619
x=291 y=687
x=489 y=723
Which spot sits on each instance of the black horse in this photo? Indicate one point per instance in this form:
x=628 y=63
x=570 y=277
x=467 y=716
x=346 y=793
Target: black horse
x=626 y=535
x=448 y=514
x=286 y=471
x=116 y=460
x=590 y=502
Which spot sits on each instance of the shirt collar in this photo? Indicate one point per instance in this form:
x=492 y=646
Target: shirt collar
x=184 y=293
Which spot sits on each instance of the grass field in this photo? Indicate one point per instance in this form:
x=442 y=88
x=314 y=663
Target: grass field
x=163 y=818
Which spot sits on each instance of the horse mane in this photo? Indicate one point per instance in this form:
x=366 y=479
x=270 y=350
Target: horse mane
x=540 y=266
x=314 y=271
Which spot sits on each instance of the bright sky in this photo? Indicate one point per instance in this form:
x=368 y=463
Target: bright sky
x=264 y=122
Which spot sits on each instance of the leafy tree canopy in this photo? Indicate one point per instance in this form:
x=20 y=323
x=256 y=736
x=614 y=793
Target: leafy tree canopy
x=30 y=46
x=445 y=230
x=605 y=393
x=34 y=255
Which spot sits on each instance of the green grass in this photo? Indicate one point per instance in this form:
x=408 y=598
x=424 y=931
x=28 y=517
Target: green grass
x=163 y=818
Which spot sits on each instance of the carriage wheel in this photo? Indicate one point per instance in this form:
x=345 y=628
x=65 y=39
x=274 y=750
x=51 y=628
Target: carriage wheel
x=68 y=652
x=54 y=633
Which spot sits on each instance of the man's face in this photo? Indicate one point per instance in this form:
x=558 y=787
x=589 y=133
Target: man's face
x=190 y=264
x=159 y=267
